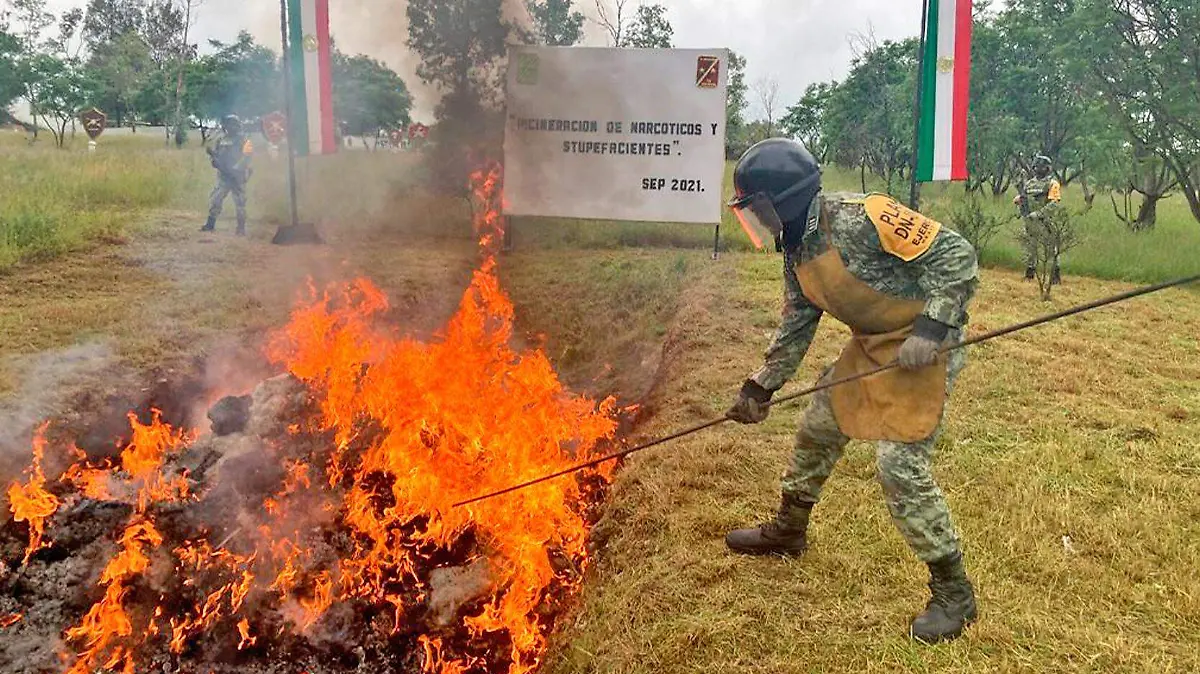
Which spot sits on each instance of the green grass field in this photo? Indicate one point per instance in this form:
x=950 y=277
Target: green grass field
x=1069 y=457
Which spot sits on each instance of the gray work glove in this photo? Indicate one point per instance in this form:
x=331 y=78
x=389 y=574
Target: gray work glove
x=749 y=408
x=921 y=348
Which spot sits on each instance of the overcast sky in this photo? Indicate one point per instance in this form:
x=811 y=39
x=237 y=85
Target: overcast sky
x=796 y=42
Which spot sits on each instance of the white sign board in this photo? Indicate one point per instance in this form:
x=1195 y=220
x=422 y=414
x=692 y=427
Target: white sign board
x=615 y=134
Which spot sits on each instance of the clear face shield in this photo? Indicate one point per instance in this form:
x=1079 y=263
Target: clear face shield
x=758 y=218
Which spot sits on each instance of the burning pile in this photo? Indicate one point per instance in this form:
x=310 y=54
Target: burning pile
x=314 y=530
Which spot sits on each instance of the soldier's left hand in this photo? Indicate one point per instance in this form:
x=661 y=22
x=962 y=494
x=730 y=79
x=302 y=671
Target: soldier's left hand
x=917 y=352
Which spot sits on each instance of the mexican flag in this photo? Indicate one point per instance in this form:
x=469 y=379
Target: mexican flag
x=312 y=77
x=945 y=92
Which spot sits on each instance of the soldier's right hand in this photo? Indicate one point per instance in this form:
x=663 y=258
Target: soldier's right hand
x=750 y=407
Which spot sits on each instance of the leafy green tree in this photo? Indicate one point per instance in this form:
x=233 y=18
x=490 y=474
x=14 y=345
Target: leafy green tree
x=1040 y=89
x=11 y=85
x=556 y=22
x=868 y=121
x=368 y=97
x=108 y=20
x=650 y=28
x=460 y=43
x=240 y=77
x=736 y=101
x=62 y=91
x=28 y=20
x=806 y=119
x=1144 y=57
x=123 y=68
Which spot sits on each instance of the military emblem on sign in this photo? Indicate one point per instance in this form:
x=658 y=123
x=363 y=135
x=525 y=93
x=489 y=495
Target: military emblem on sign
x=708 y=72
x=274 y=127
x=94 y=122
x=310 y=43
x=527 y=68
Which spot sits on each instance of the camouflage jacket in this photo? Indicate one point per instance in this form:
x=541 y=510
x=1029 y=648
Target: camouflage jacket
x=1042 y=192
x=945 y=277
x=231 y=154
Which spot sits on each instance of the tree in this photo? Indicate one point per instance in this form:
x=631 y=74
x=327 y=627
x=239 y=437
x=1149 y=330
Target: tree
x=806 y=119
x=1049 y=237
x=650 y=29
x=639 y=25
x=1039 y=87
x=11 y=85
x=1145 y=60
x=368 y=97
x=184 y=53
x=735 y=106
x=556 y=22
x=460 y=43
x=766 y=89
x=614 y=20
x=30 y=19
x=240 y=77
x=108 y=20
x=123 y=68
x=868 y=118
x=62 y=91
x=1135 y=168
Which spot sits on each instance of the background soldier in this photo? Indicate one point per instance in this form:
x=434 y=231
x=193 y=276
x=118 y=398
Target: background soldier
x=1039 y=200
x=231 y=157
x=902 y=283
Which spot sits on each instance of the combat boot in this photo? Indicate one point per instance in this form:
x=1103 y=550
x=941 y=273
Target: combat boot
x=241 y=226
x=952 y=606
x=210 y=225
x=786 y=534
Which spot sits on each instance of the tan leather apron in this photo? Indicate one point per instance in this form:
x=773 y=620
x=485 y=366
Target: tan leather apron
x=896 y=405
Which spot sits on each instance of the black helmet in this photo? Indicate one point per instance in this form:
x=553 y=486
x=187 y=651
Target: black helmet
x=774 y=183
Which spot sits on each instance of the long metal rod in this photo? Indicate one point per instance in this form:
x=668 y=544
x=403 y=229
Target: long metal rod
x=287 y=111
x=914 y=190
x=846 y=380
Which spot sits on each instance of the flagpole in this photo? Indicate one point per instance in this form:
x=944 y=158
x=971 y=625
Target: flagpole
x=914 y=190
x=287 y=111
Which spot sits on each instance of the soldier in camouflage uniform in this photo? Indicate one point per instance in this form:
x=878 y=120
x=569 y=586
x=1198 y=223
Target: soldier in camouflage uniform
x=231 y=157
x=902 y=283
x=1043 y=194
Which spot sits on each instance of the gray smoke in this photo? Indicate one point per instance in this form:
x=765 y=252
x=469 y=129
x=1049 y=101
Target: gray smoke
x=377 y=28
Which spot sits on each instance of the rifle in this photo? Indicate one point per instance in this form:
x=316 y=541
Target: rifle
x=222 y=169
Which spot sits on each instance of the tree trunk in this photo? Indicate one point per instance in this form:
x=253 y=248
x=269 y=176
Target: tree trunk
x=178 y=119
x=1089 y=195
x=1147 y=214
x=1188 y=183
x=862 y=174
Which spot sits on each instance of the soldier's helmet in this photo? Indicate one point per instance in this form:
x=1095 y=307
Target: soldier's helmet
x=1042 y=164
x=774 y=184
x=231 y=123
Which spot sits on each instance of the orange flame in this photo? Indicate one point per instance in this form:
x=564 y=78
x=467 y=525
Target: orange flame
x=31 y=502
x=107 y=631
x=415 y=428
x=460 y=416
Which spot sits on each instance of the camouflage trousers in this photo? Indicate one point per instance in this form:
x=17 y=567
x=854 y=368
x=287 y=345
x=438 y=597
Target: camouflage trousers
x=915 y=501
x=224 y=188
x=1035 y=229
